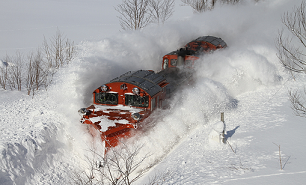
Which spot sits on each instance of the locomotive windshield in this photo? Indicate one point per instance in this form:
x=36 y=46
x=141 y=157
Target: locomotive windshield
x=173 y=62
x=107 y=98
x=137 y=101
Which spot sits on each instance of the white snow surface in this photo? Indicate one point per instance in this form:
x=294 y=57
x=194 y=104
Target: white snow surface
x=42 y=140
x=105 y=122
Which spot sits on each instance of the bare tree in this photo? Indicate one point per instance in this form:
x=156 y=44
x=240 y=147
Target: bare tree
x=11 y=72
x=134 y=14
x=231 y=1
x=37 y=73
x=120 y=166
x=30 y=75
x=161 y=10
x=114 y=168
x=16 y=71
x=4 y=76
x=293 y=55
x=298 y=102
x=200 y=6
x=160 y=178
x=9 y=80
x=58 y=51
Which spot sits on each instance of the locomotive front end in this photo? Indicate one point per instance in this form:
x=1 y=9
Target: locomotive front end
x=120 y=106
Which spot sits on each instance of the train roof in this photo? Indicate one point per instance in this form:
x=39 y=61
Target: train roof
x=144 y=79
x=211 y=39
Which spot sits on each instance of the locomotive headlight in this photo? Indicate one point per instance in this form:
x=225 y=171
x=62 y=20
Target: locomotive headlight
x=136 y=116
x=83 y=111
x=135 y=91
x=104 y=88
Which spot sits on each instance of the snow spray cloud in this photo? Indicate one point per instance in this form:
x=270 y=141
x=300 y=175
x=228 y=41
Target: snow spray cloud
x=248 y=26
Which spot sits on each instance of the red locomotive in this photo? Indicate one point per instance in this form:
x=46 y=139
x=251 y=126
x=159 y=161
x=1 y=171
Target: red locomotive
x=123 y=103
x=192 y=51
x=121 y=106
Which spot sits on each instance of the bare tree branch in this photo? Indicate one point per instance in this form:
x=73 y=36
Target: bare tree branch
x=4 y=75
x=120 y=166
x=58 y=51
x=134 y=14
x=161 y=10
x=290 y=55
x=11 y=72
x=200 y=6
x=298 y=103
x=37 y=73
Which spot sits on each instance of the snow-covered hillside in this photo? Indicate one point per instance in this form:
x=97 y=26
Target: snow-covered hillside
x=42 y=140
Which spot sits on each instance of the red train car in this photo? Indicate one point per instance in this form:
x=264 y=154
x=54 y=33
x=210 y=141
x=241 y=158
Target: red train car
x=190 y=52
x=120 y=106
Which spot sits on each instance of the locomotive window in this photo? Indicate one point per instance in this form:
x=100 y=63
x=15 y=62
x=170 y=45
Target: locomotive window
x=137 y=101
x=107 y=98
x=173 y=62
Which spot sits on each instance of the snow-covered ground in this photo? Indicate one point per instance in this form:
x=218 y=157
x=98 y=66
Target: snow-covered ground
x=42 y=141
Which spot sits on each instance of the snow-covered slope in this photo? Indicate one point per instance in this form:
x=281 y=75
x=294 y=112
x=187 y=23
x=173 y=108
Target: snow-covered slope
x=42 y=141
x=262 y=118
